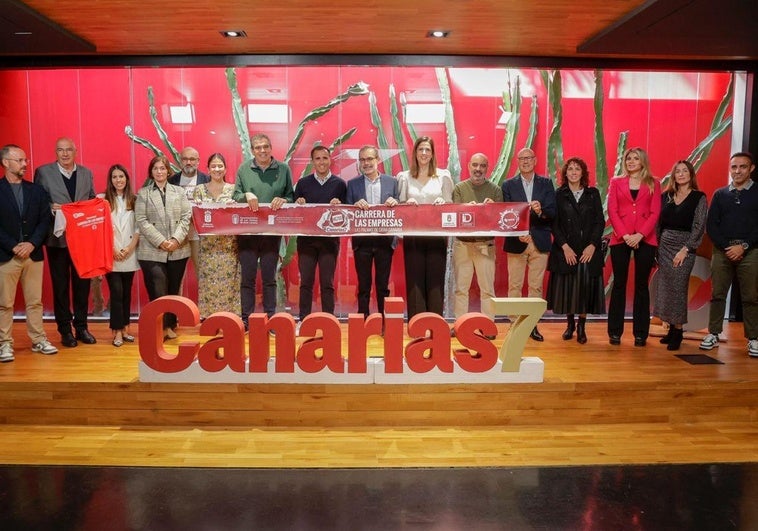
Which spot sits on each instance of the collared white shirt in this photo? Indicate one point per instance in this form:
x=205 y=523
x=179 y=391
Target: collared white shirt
x=528 y=187
x=67 y=174
x=321 y=181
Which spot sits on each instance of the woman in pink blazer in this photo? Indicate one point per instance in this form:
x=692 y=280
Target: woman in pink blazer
x=633 y=207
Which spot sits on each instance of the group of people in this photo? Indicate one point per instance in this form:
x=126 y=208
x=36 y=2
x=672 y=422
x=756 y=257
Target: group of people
x=153 y=232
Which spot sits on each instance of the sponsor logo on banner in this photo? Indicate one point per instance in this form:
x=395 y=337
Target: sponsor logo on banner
x=449 y=219
x=452 y=219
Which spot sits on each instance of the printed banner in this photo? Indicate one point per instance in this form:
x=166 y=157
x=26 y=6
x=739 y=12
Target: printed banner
x=452 y=219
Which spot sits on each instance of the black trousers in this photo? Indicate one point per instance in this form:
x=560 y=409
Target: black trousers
x=120 y=287
x=251 y=249
x=163 y=278
x=644 y=260
x=373 y=252
x=425 y=260
x=322 y=253
x=68 y=286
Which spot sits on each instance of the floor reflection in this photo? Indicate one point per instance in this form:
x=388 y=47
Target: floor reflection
x=577 y=498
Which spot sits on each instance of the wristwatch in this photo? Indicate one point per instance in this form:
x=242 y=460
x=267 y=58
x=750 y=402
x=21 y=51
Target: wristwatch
x=745 y=245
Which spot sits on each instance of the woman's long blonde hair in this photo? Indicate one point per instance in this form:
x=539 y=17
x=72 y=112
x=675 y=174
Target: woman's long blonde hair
x=646 y=177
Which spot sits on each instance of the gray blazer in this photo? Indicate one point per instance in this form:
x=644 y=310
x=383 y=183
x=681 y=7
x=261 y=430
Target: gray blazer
x=50 y=178
x=157 y=224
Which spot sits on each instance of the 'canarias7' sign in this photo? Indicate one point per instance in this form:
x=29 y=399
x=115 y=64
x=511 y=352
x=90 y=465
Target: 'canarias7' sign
x=430 y=356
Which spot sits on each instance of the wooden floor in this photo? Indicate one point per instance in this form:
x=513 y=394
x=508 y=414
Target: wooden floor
x=598 y=405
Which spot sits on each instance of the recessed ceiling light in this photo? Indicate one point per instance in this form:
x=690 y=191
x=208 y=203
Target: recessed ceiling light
x=438 y=34
x=234 y=33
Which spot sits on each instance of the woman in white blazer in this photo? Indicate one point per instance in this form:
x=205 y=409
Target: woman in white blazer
x=163 y=215
x=120 y=196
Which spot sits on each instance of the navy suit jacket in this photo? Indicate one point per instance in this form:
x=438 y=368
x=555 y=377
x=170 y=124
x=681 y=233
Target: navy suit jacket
x=356 y=190
x=539 y=226
x=31 y=225
x=202 y=178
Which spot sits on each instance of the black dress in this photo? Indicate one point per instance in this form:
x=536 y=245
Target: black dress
x=577 y=289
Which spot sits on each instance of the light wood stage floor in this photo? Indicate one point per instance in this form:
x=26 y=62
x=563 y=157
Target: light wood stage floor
x=599 y=404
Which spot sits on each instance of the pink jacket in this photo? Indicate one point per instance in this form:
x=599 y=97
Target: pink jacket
x=629 y=216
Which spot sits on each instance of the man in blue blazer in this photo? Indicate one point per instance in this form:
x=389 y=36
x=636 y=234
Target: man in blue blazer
x=530 y=252
x=66 y=182
x=24 y=225
x=372 y=188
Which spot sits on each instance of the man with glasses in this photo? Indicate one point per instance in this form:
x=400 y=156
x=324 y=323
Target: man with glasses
x=24 y=226
x=732 y=225
x=189 y=178
x=67 y=182
x=367 y=189
x=261 y=180
x=529 y=252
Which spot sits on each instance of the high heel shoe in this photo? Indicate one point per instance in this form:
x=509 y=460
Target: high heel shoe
x=569 y=332
x=581 y=335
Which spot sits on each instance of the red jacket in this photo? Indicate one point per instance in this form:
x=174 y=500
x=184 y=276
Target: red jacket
x=629 y=216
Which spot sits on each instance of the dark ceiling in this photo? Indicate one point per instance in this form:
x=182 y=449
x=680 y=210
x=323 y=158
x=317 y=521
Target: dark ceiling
x=721 y=34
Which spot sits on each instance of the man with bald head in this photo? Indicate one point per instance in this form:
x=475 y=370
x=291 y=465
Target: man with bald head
x=475 y=254
x=189 y=178
x=67 y=182
x=530 y=252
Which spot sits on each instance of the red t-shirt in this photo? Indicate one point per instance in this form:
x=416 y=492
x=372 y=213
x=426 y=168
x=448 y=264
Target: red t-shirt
x=89 y=235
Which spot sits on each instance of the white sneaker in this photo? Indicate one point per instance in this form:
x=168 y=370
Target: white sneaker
x=44 y=347
x=709 y=342
x=6 y=353
x=752 y=348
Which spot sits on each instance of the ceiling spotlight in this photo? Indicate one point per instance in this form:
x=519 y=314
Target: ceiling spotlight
x=438 y=34
x=234 y=33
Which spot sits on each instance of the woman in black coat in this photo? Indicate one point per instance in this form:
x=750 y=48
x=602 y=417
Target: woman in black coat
x=576 y=258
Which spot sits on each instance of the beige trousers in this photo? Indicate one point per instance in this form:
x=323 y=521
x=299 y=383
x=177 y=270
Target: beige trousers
x=30 y=275
x=470 y=257
x=536 y=263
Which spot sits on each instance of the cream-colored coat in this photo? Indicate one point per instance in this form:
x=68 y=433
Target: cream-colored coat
x=124 y=230
x=157 y=223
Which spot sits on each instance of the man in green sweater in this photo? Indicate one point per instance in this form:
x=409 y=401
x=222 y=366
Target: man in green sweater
x=261 y=180
x=475 y=253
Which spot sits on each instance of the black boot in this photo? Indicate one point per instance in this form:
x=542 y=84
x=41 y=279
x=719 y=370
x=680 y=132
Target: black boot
x=569 y=332
x=581 y=335
x=676 y=339
x=665 y=339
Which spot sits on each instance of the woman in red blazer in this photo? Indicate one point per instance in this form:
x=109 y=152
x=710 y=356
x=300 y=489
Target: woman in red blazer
x=633 y=207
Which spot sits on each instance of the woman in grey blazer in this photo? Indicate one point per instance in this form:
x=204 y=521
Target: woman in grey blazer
x=163 y=214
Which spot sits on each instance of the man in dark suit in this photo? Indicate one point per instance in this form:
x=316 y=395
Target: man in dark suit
x=24 y=226
x=66 y=182
x=189 y=178
x=529 y=252
x=372 y=188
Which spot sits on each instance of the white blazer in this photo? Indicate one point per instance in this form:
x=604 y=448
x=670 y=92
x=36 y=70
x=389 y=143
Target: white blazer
x=124 y=229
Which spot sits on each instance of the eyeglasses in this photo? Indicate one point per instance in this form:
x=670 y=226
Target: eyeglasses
x=190 y=159
x=525 y=159
x=65 y=150
x=366 y=159
x=263 y=147
x=19 y=161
